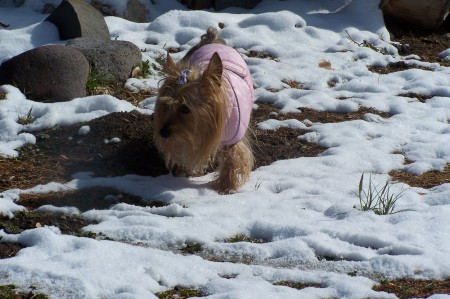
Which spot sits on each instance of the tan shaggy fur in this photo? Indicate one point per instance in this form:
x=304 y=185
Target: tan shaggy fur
x=189 y=120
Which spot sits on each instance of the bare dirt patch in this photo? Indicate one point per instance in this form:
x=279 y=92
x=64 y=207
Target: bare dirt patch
x=117 y=90
x=179 y=293
x=10 y=292
x=84 y=199
x=68 y=224
x=426 y=44
x=27 y=170
x=266 y=111
x=409 y=288
x=270 y=146
x=261 y=55
x=61 y=152
x=297 y=285
x=243 y=238
x=8 y=250
x=283 y=143
x=420 y=97
x=427 y=180
x=396 y=67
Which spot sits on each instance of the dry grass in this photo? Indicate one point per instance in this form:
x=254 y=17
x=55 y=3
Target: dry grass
x=179 y=293
x=293 y=84
x=10 y=292
x=83 y=199
x=119 y=91
x=243 y=238
x=29 y=169
x=314 y=115
x=261 y=55
x=420 y=97
x=297 y=285
x=412 y=288
x=427 y=180
x=396 y=67
x=290 y=83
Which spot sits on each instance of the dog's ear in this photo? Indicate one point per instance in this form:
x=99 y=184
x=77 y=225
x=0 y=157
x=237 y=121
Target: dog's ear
x=214 y=69
x=170 y=66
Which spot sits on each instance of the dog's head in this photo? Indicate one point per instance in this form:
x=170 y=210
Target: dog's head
x=189 y=114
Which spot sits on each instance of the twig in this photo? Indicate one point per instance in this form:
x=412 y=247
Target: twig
x=366 y=44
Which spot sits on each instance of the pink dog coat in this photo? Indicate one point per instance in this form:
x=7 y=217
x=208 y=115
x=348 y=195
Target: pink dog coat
x=240 y=88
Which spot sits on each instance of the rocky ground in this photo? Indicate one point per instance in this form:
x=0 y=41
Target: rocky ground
x=60 y=152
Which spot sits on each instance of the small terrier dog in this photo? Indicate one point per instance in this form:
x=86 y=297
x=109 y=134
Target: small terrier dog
x=202 y=114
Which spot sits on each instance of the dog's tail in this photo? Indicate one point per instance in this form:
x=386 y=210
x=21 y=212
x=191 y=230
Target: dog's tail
x=210 y=37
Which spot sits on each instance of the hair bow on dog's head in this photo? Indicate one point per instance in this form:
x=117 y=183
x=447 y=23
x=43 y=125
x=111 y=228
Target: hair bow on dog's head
x=183 y=76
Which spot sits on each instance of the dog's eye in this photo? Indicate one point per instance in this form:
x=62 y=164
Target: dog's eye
x=184 y=109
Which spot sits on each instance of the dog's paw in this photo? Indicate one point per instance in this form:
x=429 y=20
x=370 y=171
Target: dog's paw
x=222 y=187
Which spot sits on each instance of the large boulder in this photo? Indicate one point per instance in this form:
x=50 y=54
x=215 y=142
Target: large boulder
x=424 y=13
x=111 y=60
x=76 y=18
x=51 y=73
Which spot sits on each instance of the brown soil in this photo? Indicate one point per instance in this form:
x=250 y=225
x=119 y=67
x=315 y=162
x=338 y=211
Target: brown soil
x=396 y=67
x=409 y=288
x=10 y=292
x=424 y=43
x=84 y=199
x=61 y=151
x=427 y=180
x=28 y=220
x=25 y=220
x=8 y=250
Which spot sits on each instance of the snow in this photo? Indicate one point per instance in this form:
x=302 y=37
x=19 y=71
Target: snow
x=303 y=207
x=84 y=130
x=112 y=140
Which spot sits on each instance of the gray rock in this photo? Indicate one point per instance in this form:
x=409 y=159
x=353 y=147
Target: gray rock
x=134 y=11
x=112 y=60
x=76 y=18
x=51 y=73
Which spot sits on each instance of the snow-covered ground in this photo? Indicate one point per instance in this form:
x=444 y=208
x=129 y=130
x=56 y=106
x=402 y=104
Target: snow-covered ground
x=303 y=207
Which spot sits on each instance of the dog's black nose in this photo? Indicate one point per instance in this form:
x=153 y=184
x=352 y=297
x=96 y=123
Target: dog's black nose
x=165 y=131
